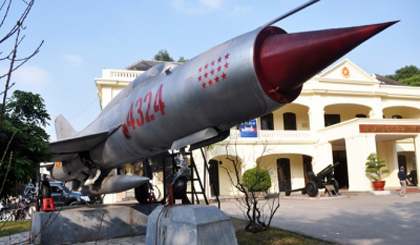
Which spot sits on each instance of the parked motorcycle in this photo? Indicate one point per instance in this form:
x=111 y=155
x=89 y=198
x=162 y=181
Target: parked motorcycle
x=22 y=208
x=6 y=212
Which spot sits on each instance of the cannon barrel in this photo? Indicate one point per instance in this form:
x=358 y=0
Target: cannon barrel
x=327 y=170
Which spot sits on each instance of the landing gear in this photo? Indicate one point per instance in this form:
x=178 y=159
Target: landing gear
x=45 y=189
x=180 y=178
x=180 y=188
x=144 y=193
x=141 y=193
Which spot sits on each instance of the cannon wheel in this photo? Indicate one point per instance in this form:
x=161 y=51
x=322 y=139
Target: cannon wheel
x=311 y=188
x=336 y=186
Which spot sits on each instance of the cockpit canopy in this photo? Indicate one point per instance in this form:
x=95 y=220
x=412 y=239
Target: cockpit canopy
x=153 y=72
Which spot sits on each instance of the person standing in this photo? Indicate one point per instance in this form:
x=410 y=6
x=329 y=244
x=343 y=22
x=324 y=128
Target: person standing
x=403 y=181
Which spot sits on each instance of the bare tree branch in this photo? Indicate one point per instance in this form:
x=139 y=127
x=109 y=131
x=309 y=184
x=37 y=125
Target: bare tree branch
x=258 y=213
x=9 y=76
x=19 y=22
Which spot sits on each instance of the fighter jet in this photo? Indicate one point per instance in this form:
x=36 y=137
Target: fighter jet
x=172 y=106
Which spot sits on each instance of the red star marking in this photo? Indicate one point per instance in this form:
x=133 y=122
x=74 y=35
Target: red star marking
x=199 y=78
x=212 y=63
x=210 y=82
x=219 y=59
x=219 y=69
x=206 y=66
x=226 y=65
x=204 y=85
x=206 y=75
x=224 y=76
x=216 y=79
x=199 y=70
x=227 y=56
x=212 y=72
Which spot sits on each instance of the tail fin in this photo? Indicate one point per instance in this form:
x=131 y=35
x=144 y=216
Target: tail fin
x=63 y=128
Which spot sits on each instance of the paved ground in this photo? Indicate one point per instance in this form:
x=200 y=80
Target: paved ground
x=356 y=220
x=362 y=219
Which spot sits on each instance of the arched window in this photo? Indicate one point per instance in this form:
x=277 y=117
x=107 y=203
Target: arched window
x=361 y=116
x=267 y=122
x=331 y=119
x=289 y=121
x=396 y=117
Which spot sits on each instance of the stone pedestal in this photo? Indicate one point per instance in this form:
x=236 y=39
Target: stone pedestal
x=189 y=224
x=90 y=223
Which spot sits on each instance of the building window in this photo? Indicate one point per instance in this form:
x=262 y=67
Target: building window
x=289 y=121
x=396 y=117
x=267 y=122
x=361 y=116
x=331 y=119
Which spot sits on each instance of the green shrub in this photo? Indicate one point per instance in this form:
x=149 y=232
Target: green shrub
x=256 y=179
x=374 y=165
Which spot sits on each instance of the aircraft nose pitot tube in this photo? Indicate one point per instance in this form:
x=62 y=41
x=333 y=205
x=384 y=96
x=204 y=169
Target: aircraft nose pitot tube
x=283 y=62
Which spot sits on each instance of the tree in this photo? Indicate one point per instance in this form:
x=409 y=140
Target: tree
x=182 y=59
x=256 y=179
x=409 y=75
x=258 y=213
x=25 y=115
x=374 y=166
x=163 y=55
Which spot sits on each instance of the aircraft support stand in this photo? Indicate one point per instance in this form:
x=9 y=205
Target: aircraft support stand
x=189 y=224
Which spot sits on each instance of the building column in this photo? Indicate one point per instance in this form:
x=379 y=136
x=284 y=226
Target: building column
x=358 y=149
x=417 y=154
x=388 y=152
x=316 y=114
x=376 y=112
x=324 y=157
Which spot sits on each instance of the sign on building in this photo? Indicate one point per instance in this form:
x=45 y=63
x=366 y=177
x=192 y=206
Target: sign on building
x=249 y=129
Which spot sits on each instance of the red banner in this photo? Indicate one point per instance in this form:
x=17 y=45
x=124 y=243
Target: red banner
x=388 y=128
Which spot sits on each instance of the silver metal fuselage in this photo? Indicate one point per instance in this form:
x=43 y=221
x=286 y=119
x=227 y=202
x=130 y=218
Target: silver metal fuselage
x=194 y=99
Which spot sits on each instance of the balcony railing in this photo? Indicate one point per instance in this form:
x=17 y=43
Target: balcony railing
x=125 y=75
x=405 y=90
x=274 y=135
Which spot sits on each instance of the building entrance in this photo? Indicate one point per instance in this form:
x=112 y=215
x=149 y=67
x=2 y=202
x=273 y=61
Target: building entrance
x=214 y=175
x=283 y=174
x=340 y=172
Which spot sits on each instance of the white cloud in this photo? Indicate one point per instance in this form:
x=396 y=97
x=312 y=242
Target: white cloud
x=197 y=7
x=73 y=60
x=31 y=76
x=214 y=4
x=241 y=10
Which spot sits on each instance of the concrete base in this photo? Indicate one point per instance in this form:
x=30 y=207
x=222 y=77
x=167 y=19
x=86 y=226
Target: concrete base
x=81 y=224
x=381 y=193
x=189 y=224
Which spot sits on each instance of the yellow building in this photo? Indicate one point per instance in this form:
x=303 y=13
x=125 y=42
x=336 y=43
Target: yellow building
x=342 y=115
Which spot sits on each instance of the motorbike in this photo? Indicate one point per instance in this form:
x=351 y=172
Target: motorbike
x=6 y=212
x=22 y=208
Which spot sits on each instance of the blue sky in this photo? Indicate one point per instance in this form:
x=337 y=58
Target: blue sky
x=83 y=37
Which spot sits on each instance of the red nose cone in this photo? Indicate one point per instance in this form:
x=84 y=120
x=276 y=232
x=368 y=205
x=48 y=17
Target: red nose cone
x=285 y=61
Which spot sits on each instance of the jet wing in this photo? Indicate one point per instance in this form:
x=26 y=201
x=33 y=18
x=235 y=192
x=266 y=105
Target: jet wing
x=77 y=144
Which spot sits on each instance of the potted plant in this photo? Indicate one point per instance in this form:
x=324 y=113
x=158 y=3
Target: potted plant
x=374 y=166
x=257 y=181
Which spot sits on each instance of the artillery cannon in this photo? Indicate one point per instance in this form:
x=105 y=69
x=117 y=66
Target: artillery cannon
x=324 y=179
